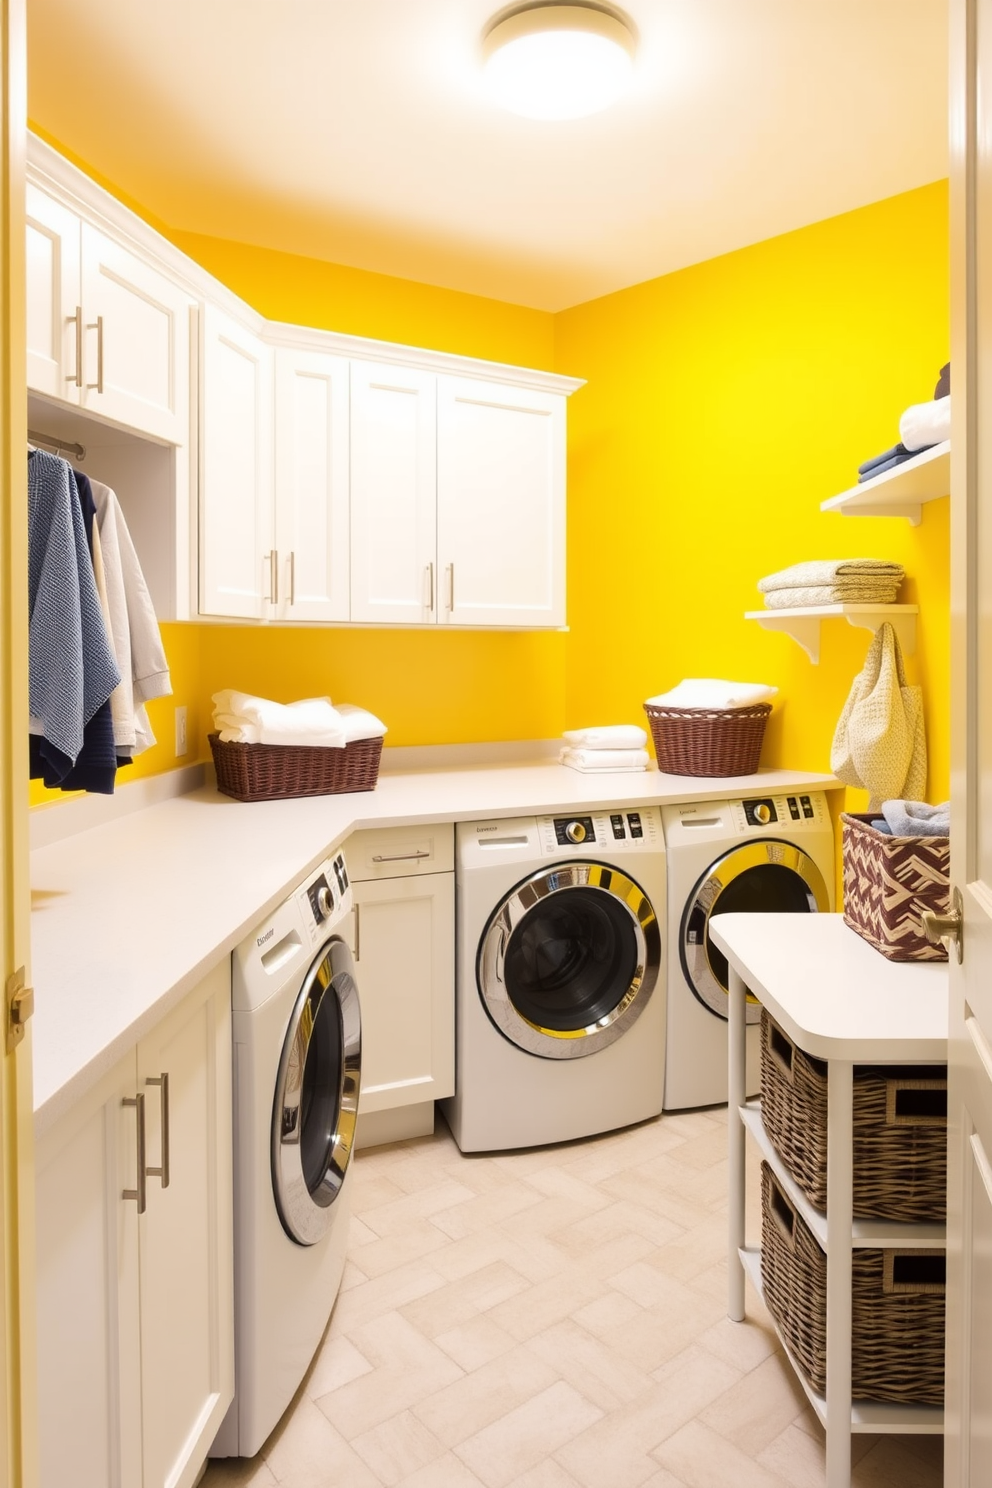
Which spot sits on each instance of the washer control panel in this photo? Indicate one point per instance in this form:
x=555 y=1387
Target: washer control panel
x=324 y=896
x=805 y=808
x=635 y=829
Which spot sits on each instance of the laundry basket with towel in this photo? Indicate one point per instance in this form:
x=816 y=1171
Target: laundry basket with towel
x=710 y=727
x=266 y=751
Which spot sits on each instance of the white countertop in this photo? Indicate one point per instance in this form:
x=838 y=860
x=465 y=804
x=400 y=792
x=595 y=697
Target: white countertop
x=129 y=916
x=833 y=993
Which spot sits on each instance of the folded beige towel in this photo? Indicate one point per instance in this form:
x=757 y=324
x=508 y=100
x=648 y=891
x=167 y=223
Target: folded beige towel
x=825 y=594
x=833 y=571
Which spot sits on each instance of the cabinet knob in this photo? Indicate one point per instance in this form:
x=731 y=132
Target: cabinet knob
x=950 y=927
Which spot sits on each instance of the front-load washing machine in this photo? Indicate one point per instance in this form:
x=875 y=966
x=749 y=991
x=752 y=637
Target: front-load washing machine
x=762 y=854
x=297 y=1073
x=560 y=1007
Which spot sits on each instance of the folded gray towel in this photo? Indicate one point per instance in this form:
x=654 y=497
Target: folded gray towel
x=917 y=819
x=833 y=571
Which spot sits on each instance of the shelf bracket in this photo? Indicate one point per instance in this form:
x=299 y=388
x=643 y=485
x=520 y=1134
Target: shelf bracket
x=802 y=628
x=912 y=511
x=804 y=625
x=904 y=626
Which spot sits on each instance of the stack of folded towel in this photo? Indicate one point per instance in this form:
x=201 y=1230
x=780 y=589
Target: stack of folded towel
x=612 y=748
x=713 y=692
x=241 y=718
x=834 y=581
x=914 y=819
x=921 y=426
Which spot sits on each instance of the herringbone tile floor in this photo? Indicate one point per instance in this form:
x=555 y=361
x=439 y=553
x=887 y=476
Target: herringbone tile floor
x=553 y=1319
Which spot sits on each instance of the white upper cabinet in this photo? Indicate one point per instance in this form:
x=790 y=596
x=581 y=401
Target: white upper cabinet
x=106 y=331
x=239 y=572
x=393 y=494
x=311 y=486
x=500 y=504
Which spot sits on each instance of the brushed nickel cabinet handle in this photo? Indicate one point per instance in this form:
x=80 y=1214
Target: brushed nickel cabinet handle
x=451 y=586
x=430 y=586
x=77 y=321
x=292 y=578
x=273 y=560
x=399 y=857
x=97 y=326
x=162 y=1081
x=139 y=1194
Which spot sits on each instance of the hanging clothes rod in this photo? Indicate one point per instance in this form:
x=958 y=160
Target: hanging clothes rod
x=60 y=446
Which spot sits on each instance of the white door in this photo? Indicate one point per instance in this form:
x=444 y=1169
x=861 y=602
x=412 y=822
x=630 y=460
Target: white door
x=238 y=573
x=311 y=477
x=89 y=1347
x=500 y=504
x=393 y=494
x=136 y=343
x=404 y=936
x=968 y=1436
x=54 y=309
x=187 y=1242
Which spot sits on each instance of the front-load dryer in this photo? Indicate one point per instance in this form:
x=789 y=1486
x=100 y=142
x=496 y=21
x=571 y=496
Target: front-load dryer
x=761 y=854
x=560 y=1006
x=297 y=1073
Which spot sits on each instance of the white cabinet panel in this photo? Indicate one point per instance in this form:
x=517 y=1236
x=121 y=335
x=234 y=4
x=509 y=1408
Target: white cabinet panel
x=187 y=1364
x=311 y=479
x=52 y=268
x=136 y=347
x=237 y=572
x=404 y=966
x=500 y=504
x=393 y=493
x=89 y=1351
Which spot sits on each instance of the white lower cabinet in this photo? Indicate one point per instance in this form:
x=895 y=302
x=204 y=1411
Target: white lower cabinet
x=135 y=1309
x=403 y=941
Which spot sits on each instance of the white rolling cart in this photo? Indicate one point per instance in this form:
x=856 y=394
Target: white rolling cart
x=841 y=1002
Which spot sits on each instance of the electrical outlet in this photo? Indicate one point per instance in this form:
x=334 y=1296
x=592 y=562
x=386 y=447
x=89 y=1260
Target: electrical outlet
x=180 y=732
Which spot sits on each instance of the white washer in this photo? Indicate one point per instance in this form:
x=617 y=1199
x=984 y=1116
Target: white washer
x=559 y=978
x=765 y=853
x=297 y=1074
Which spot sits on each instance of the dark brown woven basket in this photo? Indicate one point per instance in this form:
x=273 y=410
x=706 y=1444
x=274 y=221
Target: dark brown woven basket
x=897 y=1306
x=708 y=741
x=888 y=882
x=900 y=1130
x=277 y=772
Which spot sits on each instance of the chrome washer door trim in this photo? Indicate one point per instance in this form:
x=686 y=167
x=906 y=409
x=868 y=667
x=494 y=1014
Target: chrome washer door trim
x=550 y=1043
x=702 y=902
x=329 y=990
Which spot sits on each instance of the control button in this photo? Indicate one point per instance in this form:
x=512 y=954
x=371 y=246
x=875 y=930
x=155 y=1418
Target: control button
x=807 y=806
x=325 y=901
x=616 y=822
x=574 y=829
x=575 y=832
x=634 y=821
x=794 y=811
x=760 y=813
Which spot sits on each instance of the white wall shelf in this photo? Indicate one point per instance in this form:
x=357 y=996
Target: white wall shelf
x=901 y=492
x=803 y=624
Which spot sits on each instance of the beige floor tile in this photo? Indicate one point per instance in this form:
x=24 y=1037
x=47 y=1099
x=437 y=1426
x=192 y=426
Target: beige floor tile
x=407 y=1368
x=501 y=1453
x=486 y=1395
x=338 y=1362
x=618 y=1219
x=703 y=1459
x=755 y=1410
x=664 y=1479
x=395 y=1217
x=398 y=1448
x=589 y=1366
x=461 y=1301
x=744 y=1344
x=382 y=1294
x=796 y=1457
x=376 y=1256
x=476 y=1342
x=448 y=1471
x=603 y=1314
x=546 y=1474
x=306 y=1451
x=480 y=1213
x=545 y=1304
x=704 y=1150
x=238 y=1472
x=657 y=1335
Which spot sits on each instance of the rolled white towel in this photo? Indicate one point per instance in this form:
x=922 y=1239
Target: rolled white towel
x=926 y=423
x=605 y=761
x=714 y=692
x=246 y=719
x=608 y=736
x=359 y=723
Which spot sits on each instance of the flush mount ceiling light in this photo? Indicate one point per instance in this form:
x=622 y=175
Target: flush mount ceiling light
x=555 y=61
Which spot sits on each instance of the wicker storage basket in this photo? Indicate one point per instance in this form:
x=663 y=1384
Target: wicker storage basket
x=888 y=881
x=900 y=1130
x=897 y=1304
x=708 y=741
x=275 y=772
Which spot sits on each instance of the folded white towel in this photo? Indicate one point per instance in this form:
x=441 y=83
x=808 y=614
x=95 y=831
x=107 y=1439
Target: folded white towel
x=359 y=723
x=926 y=423
x=828 y=594
x=714 y=692
x=245 y=719
x=833 y=571
x=606 y=761
x=609 y=736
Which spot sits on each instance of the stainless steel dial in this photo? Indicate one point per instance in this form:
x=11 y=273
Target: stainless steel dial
x=325 y=901
x=575 y=832
x=762 y=813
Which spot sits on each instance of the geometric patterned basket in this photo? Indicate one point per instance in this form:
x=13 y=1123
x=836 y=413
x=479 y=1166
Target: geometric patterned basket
x=279 y=772
x=888 y=881
x=900 y=1130
x=897 y=1304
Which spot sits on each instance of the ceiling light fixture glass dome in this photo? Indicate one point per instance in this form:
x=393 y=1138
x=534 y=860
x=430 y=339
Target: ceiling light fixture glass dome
x=558 y=61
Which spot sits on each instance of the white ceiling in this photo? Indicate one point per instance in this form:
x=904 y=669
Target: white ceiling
x=359 y=131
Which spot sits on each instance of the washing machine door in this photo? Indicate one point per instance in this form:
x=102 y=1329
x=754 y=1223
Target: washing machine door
x=569 y=960
x=765 y=876
x=316 y=1097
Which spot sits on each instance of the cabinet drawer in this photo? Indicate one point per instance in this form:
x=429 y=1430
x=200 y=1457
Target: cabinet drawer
x=400 y=852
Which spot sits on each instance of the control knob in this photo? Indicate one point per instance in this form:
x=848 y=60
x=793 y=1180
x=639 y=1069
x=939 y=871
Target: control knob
x=575 y=832
x=762 y=813
x=325 y=901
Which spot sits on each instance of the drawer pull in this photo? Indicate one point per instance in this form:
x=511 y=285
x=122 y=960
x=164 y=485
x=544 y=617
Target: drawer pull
x=97 y=325
x=399 y=857
x=77 y=321
x=139 y=1194
x=162 y=1081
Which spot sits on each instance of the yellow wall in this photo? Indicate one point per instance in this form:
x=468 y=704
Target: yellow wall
x=723 y=404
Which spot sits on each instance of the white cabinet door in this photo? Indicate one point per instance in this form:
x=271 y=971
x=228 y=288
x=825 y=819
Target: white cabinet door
x=393 y=494
x=238 y=574
x=54 y=329
x=136 y=346
x=404 y=941
x=500 y=504
x=89 y=1347
x=187 y=1267
x=311 y=484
